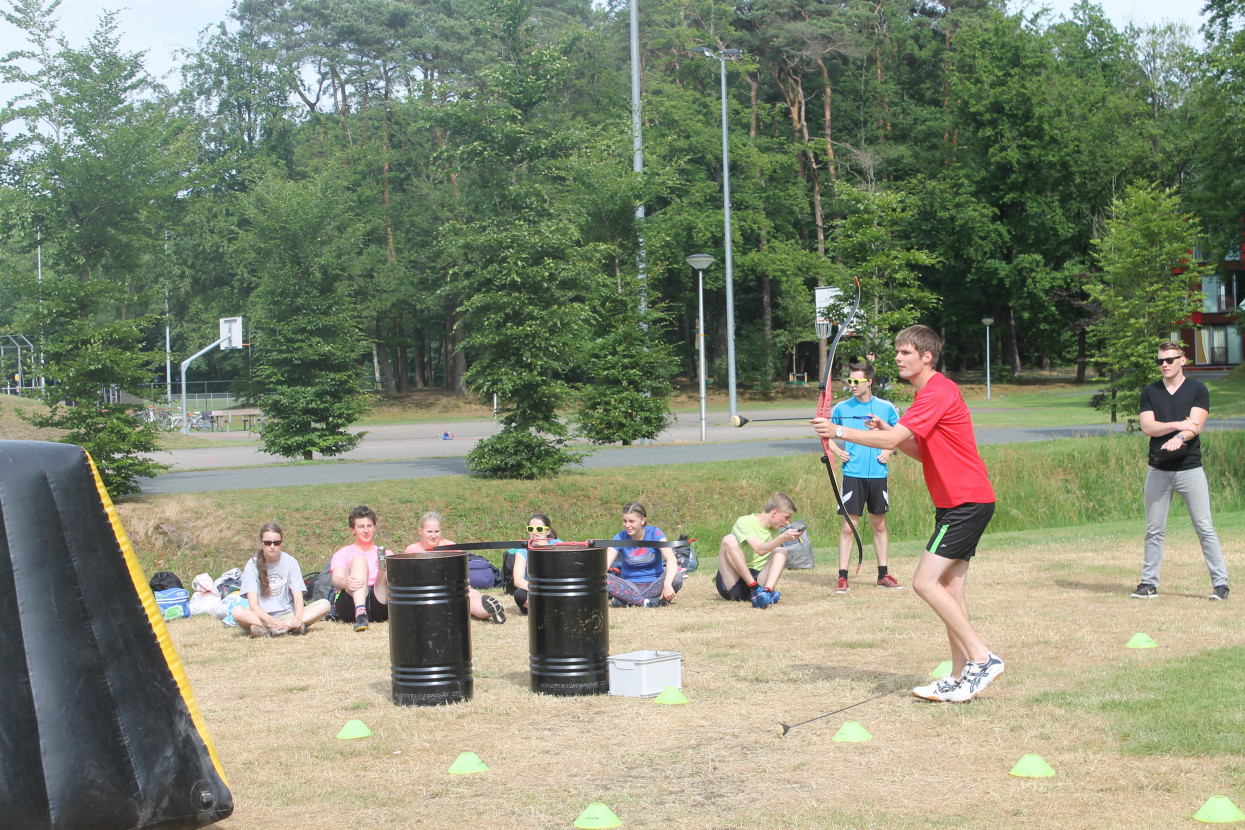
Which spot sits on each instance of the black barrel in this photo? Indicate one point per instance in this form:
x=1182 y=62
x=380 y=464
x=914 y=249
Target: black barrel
x=429 y=634
x=568 y=620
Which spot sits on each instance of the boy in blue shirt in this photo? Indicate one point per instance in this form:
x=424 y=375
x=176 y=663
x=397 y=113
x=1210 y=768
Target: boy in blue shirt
x=864 y=473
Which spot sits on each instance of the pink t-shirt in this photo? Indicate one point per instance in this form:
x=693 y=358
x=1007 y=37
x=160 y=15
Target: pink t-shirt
x=954 y=471
x=341 y=560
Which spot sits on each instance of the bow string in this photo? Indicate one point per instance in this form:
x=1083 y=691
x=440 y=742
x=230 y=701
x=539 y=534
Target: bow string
x=825 y=407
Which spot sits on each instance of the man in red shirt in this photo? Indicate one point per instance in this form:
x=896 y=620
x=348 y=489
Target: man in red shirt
x=937 y=431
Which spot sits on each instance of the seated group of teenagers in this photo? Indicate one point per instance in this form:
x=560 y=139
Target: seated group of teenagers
x=638 y=576
x=935 y=431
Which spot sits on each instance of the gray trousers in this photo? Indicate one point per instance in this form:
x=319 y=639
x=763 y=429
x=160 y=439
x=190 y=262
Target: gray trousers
x=1191 y=485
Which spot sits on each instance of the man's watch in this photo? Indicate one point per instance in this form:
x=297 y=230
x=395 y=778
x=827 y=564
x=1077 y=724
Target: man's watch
x=838 y=432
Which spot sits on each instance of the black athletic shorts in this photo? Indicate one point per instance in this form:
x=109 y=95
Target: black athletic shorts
x=377 y=611
x=739 y=592
x=957 y=530
x=861 y=494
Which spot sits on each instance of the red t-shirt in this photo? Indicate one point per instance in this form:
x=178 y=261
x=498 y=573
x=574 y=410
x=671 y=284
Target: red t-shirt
x=954 y=472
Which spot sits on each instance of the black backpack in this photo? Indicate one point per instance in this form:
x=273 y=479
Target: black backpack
x=163 y=580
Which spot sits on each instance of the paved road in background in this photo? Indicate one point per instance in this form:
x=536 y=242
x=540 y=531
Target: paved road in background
x=405 y=451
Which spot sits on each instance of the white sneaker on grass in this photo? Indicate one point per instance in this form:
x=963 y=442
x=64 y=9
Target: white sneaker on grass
x=938 y=690
x=975 y=678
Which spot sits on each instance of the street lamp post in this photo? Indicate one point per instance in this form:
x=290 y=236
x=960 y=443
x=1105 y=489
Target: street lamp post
x=722 y=57
x=700 y=262
x=988 y=321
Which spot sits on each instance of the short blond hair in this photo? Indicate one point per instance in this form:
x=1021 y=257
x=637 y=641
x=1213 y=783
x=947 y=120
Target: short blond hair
x=780 y=502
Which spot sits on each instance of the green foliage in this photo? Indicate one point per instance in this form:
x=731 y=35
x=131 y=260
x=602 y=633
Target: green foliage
x=521 y=453
x=872 y=244
x=626 y=395
x=298 y=242
x=1145 y=289
x=85 y=356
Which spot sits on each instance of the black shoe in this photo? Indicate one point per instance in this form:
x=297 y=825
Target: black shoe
x=496 y=612
x=1145 y=591
x=1220 y=592
x=615 y=602
x=360 y=621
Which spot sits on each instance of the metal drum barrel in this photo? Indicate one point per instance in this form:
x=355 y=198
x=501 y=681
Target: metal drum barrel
x=429 y=631
x=568 y=620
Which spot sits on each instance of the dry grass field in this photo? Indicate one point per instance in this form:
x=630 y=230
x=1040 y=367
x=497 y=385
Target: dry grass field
x=1054 y=605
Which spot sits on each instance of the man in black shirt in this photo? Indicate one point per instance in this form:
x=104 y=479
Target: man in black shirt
x=1173 y=411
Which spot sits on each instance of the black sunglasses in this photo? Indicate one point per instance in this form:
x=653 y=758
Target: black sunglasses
x=267 y=542
x=1159 y=361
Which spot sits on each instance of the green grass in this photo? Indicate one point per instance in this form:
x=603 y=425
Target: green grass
x=1189 y=706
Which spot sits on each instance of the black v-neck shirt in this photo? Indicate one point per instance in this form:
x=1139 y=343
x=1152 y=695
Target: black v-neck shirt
x=1168 y=407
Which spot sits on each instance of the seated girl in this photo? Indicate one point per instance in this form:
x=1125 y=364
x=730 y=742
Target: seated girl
x=538 y=530
x=483 y=606
x=272 y=583
x=647 y=577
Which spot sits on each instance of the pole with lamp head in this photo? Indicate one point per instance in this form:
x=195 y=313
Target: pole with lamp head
x=722 y=57
x=700 y=262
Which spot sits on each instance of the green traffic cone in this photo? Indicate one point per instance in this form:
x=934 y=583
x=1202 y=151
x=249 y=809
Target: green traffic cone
x=467 y=763
x=1032 y=766
x=1219 y=809
x=671 y=695
x=354 y=729
x=852 y=732
x=1142 y=640
x=943 y=669
x=597 y=815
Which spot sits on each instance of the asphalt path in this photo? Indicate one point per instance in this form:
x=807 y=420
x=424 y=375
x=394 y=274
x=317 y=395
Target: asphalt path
x=407 y=451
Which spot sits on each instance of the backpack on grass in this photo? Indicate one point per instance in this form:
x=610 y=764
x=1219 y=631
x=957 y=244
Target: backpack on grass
x=482 y=573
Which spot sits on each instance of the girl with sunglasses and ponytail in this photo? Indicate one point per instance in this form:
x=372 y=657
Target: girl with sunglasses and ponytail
x=539 y=529
x=273 y=586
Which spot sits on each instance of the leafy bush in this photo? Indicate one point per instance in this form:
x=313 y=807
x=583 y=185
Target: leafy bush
x=516 y=452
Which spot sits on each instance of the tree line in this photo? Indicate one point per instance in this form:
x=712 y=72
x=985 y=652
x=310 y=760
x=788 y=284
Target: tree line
x=442 y=194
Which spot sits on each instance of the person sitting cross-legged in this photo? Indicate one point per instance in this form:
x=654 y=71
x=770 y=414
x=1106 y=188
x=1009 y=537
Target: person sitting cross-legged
x=645 y=577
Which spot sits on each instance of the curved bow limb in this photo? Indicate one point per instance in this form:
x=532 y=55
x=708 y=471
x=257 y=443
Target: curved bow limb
x=825 y=408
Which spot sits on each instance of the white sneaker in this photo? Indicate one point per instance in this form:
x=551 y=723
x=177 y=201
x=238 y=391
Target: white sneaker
x=938 y=690
x=975 y=679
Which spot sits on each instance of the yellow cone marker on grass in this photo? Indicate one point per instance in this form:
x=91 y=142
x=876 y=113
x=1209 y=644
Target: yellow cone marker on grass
x=467 y=763
x=943 y=669
x=1142 y=640
x=852 y=732
x=672 y=695
x=597 y=815
x=1032 y=766
x=1219 y=809
x=354 y=729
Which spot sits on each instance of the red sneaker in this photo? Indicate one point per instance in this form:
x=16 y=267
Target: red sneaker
x=889 y=581
x=842 y=587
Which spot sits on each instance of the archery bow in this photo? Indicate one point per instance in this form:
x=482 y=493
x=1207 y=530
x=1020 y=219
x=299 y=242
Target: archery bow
x=824 y=410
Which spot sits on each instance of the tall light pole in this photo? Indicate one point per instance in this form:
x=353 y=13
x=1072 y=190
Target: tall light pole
x=637 y=153
x=988 y=321
x=700 y=262
x=722 y=57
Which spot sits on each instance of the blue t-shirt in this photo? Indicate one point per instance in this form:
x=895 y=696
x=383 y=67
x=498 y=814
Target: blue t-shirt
x=849 y=413
x=641 y=564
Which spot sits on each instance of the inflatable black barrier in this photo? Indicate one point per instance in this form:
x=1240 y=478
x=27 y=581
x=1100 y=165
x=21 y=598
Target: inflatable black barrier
x=98 y=726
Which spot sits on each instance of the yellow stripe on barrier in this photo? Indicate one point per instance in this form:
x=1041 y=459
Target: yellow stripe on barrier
x=156 y=618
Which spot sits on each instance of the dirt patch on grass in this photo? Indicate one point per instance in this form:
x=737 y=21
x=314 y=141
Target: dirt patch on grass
x=1059 y=615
